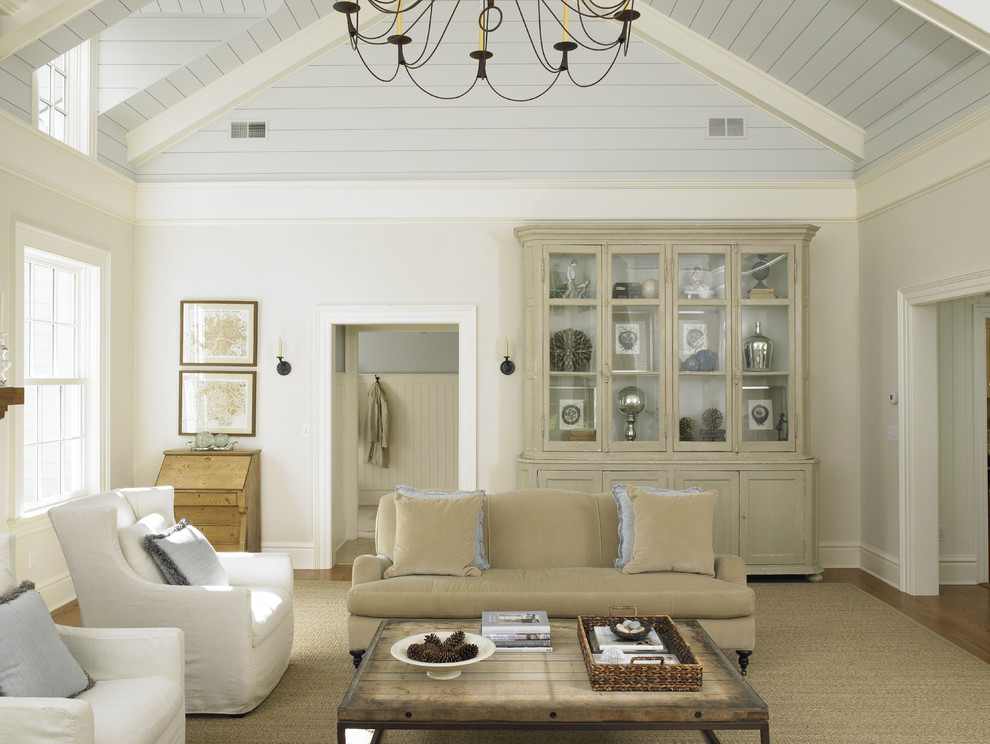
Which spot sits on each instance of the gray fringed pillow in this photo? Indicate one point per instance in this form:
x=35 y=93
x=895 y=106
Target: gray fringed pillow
x=186 y=557
x=33 y=660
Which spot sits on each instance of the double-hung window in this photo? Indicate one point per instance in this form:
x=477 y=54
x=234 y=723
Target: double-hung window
x=61 y=439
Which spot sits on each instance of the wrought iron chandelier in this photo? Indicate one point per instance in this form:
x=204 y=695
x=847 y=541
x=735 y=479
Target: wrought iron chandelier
x=416 y=29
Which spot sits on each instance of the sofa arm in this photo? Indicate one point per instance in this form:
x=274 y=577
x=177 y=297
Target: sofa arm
x=730 y=568
x=127 y=653
x=46 y=720
x=258 y=570
x=369 y=568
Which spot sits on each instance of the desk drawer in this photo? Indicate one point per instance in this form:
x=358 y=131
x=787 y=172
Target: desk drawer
x=209 y=498
x=223 y=536
x=200 y=515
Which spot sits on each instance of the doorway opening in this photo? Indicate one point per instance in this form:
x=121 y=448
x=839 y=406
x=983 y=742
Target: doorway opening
x=334 y=511
x=415 y=369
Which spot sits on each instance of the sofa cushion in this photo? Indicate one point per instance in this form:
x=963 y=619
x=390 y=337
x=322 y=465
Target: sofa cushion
x=624 y=509
x=186 y=557
x=33 y=660
x=562 y=592
x=480 y=559
x=672 y=532
x=131 y=539
x=435 y=536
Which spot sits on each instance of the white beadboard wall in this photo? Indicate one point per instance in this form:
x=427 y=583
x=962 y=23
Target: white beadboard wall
x=422 y=448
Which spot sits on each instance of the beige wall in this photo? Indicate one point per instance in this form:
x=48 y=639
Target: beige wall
x=293 y=266
x=59 y=208
x=939 y=235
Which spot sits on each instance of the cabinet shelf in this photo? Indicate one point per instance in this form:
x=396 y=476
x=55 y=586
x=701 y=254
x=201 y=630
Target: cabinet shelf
x=10 y=396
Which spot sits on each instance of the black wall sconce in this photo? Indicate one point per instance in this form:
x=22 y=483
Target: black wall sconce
x=283 y=367
x=507 y=367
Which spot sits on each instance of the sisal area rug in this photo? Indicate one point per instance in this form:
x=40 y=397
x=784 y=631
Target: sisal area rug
x=834 y=665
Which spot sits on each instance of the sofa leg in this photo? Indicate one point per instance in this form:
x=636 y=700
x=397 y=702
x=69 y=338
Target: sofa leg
x=358 y=654
x=743 y=661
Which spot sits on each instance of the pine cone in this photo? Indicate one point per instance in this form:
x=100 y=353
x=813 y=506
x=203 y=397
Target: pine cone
x=466 y=651
x=433 y=639
x=454 y=639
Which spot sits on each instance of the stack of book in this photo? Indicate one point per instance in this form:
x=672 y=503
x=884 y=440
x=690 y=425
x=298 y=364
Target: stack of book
x=517 y=631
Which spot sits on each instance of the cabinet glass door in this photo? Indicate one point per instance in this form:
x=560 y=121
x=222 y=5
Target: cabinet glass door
x=766 y=352
x=703 y=365
x=573 y=357
x=634 y=339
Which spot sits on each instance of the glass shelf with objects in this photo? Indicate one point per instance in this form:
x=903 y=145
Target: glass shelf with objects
x=701 y=275
x=635 y=275
x=765 y=414
x=573 y=412
x=765 y=276
x=572 y=275
x=635 y=415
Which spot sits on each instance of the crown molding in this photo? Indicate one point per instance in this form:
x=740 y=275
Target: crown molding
x=35 y=157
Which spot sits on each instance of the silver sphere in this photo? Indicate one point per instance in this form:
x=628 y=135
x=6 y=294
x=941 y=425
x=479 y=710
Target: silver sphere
x=631 y=401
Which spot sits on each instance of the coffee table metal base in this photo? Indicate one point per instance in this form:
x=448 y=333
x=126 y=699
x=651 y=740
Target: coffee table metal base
x=706 y=729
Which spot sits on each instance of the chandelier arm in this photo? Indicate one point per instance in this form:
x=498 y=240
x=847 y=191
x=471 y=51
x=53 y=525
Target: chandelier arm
x=394 y=7
x=607 y=71
x=374 y=74
x=601 y=45
x=501 y=95
x=537 y=48
x=419 y=61
x=438 y=97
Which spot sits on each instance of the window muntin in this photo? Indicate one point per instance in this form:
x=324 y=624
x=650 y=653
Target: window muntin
x=60 y=397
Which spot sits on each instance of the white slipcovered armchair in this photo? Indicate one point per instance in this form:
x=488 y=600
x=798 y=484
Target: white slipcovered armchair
x=138 y=697
x=237 y=638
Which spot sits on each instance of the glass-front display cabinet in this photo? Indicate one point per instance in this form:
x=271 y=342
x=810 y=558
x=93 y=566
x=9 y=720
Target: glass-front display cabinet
x=671 y=355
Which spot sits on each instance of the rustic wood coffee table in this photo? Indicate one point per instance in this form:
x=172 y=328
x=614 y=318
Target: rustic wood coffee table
x=539 y=691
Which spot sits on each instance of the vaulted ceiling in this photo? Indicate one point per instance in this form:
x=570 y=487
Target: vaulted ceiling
x=827 y=89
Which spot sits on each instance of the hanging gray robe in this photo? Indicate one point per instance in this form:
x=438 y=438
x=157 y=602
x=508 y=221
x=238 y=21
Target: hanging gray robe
x=377 y=426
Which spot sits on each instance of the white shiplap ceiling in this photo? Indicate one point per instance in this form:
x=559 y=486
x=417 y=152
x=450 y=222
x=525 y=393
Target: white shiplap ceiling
x=810 y=77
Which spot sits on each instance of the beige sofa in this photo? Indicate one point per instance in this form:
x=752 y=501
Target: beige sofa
x=549 y=550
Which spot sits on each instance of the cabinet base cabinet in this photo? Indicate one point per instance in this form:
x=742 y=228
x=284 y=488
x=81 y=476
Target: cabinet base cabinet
x=766 y=512
x=219 y=492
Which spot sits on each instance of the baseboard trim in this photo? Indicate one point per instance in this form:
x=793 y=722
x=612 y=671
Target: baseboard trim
x=960 y=569
x=883 y=565
x=57 y=591
x=303 y=555
x=839 y=555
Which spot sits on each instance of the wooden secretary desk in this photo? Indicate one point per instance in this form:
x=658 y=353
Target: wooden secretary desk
x=219 y=492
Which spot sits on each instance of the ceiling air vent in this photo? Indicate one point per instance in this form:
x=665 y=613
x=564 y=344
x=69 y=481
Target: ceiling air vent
x=721 y=127
x=248 y=129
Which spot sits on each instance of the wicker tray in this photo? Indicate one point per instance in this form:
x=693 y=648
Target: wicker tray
x=683 y=677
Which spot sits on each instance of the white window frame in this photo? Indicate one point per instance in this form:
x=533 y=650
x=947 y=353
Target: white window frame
x=80 y=97
x=95 y=297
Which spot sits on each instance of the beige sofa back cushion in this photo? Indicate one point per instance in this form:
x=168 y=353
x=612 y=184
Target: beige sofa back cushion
x=538 y=528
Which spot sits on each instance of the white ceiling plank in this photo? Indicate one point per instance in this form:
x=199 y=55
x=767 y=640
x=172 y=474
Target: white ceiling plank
x=239 y=85
x=36 y=19
x=966 y=19
x=751 y=84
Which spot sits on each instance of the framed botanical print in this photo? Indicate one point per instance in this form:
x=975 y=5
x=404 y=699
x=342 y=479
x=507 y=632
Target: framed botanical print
x=218 y=334
x=217 y=402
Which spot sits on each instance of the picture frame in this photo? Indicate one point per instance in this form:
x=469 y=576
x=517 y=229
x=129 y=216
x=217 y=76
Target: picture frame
x=759 y=414
x=218 y=333
x=217 y=402
x=763 y=406
x=633 y=340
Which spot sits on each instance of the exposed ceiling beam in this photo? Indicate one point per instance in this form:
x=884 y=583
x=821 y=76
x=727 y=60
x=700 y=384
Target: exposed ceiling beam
x=9 y=7
x=968 y=20
x=241 y=84
x=750 y=83
x=37 y=18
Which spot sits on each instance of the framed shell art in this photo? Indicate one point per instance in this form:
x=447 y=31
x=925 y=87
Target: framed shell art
x=218 y=333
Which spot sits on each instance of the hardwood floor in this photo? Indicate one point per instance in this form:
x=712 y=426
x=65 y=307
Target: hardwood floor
x=960 y=614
